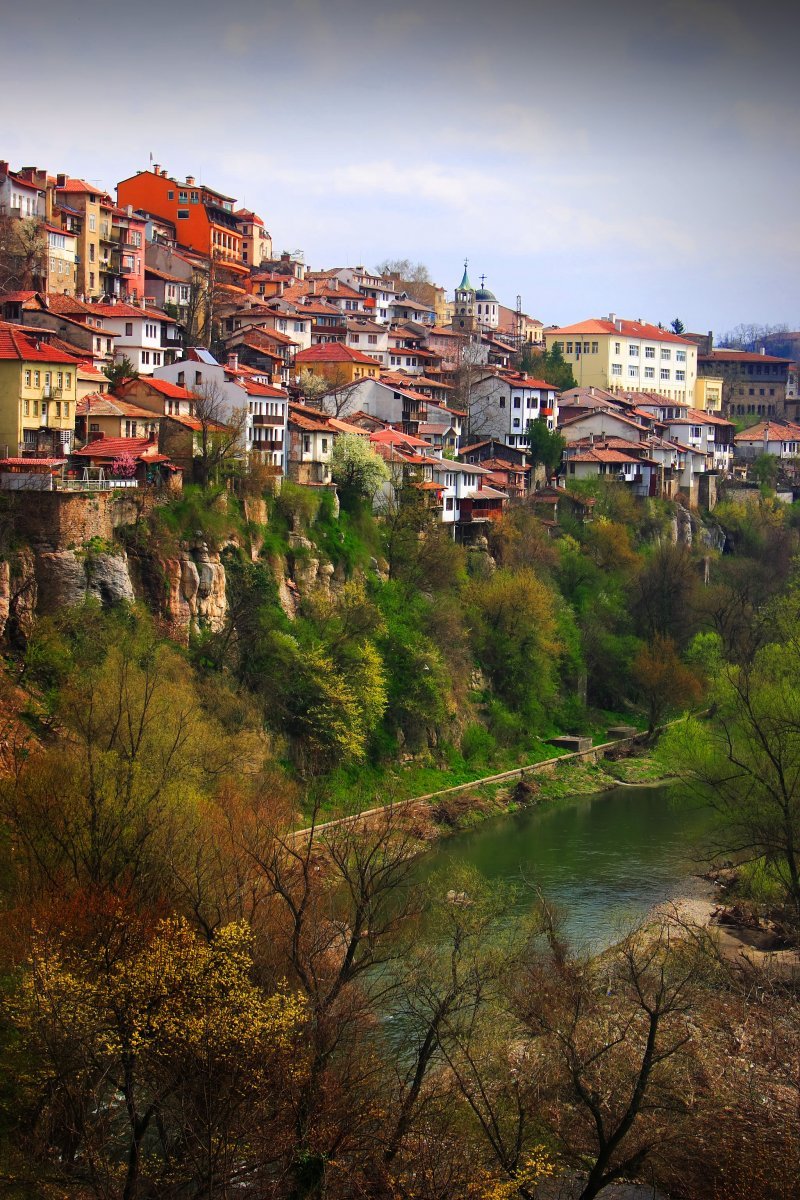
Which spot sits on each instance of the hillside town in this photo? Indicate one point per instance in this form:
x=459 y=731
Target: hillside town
x=147 y=337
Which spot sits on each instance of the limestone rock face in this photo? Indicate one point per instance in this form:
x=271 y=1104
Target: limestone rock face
x=188 y=590
x=18 y=596
x=65 y=578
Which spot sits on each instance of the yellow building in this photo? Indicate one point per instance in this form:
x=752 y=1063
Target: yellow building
x=62 y=253
x=708 y=394
x=37 y=395
x=337 y=363
x=628 y=356
x=89 y=213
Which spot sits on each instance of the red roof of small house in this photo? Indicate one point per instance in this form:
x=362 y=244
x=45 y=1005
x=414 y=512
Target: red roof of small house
x=335 y=352
x=604 y=456
x=395 y=436
x=111 y=406
x=105 y=447
x=79 y=185
x=625 y=328
x=23 y=345
x=123 y=311
x=16 y=297
x=32 y=462
x=170 y=390
x=770 y=431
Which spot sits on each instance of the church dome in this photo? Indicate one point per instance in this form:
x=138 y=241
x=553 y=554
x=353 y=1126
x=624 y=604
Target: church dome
x=483 y=293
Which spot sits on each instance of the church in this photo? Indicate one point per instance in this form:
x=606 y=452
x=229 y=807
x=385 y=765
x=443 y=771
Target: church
x=475 y=310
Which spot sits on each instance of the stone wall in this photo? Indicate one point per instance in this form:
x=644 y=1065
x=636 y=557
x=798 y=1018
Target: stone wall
x=64 y=520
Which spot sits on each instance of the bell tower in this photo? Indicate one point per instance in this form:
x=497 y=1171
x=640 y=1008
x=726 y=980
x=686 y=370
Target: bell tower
x=464 y=310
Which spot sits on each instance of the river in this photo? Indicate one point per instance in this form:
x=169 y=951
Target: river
x=602 y=860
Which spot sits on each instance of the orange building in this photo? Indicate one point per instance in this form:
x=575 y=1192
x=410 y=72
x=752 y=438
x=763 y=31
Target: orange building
x=204 y=219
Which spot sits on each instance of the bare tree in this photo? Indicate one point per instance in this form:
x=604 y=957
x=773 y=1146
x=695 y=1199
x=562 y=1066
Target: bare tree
x=221 y=436
x=23 y=254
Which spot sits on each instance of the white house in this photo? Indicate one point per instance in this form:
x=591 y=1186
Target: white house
x=370 y=337
x=146 y=336
x=239 y=389
x=388 y=402
x=781 y=439
x=698 y=429
x=503 y=402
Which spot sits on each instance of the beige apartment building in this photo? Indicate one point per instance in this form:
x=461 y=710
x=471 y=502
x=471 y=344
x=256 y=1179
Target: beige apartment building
x=623 y=356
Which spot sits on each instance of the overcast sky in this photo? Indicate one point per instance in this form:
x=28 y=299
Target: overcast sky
x=592 y=157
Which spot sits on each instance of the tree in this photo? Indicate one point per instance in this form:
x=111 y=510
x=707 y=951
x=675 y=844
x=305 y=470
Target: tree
x=664 y=683
x=158 y=1060
x=549 y=365
x=612 y=1040
x=120 y=371
x=744 y=761
x=313 y=388
x=23 y=254
x=356 y=467
x=677 y=326
x=222 y=431
x=545 y=446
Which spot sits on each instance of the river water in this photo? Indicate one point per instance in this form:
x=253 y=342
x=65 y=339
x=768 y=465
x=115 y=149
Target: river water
x=602 y=860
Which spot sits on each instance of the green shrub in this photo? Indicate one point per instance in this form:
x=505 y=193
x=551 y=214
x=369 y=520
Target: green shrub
x=477 y=743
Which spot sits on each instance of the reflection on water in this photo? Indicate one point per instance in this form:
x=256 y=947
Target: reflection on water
x=602 y=860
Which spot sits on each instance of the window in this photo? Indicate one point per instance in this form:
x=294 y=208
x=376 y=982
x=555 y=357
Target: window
x=183 y=214
x=66 y=410
x=516 y=422
x=58 y=408
x=569 y=347
x=680 y=356
x=372 y=339
x=146 y=358
x=195 y=198
x=181 y=378
x=184 y=291
x=36 y=408
x=37 y=379
x=91 y=279
x=183 y=197
x=517 y=401
x=27 y=379
x=170 y=195
x=92 y=222
x=91 y=252
x=633 y=351
x=680 y=376
x=324 y=445
x=60 y=379
x=617 y=347
x=665 y=373
x=26 y=408
x=696 y=432
x=198 y=377
x=649 y=351
x=129 y=329
x=649 y=372
x=502 y=399
x=68 y=379
x=595 y=347
x=633 y=372
x=616 y=368
x=666 y=355
x=156 y=358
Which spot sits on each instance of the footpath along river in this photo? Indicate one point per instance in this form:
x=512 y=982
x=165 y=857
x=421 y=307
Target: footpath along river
x=602 y=860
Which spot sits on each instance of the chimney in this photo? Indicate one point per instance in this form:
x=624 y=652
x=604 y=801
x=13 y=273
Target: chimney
x=156 y=168
x=612 y=317
x=3 y=167
x=763 y=350
x=190 y=180
x=710 y=341
x=618 y=325
x=61 y=181
x=130 y=210
x=233 y=361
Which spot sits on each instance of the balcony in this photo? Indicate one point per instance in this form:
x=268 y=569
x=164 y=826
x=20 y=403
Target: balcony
x=259 y=422
x=51 y=393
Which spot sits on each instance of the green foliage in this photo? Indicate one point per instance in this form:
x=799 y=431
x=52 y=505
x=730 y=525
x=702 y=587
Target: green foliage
x=299 y=505
x=356 y=467
x=207 y=513
x=477 y=743
x=549 y=365
x=545 y=446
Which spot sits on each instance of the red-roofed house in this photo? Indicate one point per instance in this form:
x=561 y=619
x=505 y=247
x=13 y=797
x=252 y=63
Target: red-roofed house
x=611 y=352
x=158 y=396
x=337 y=363
x=503 y=402
x=37 y=394
x=113 y=417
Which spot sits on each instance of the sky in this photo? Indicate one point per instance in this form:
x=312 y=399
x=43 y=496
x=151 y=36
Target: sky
x=625 y=157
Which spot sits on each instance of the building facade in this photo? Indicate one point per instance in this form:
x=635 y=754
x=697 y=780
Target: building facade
x=623 y=355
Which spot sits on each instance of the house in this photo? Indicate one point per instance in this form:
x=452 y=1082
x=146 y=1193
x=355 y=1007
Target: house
x=147 y=337
x=62 y=258
x=466 y=498
x=86 y=212
x=113 y=417
x=600 y=461
x=37 y=395
x=703 y=431
x=205 y=220
x=256 y=241
x=616 y=353
x=488 y=448
x=378 y=293
x=337 y=363
x=502 y=403
x=781 y=439
x=550 y=502
x=181 y=438
x=158 y=396
x=311 y=438
x=753 y=382
x=395 y=405
x=127 y=270
x=148 y=465
x=71 y=320
x=369 y=336
x=603 y=423
x=234 y=389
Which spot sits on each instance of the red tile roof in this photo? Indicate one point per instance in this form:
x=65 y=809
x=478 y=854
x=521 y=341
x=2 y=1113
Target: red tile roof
x=111 y=406
x=334 y=352
x=745 y=356
x=629 y=329
x=163 y=386
x=23 y=345
x=105 y=447
x=130 y=310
